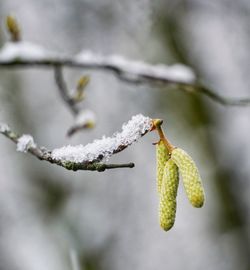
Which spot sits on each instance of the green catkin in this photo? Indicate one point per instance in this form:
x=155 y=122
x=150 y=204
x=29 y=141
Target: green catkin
x=167 y=207
x=191 y=177
x=162 y=155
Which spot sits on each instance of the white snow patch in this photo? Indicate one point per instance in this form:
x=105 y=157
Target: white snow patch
x=177 y=72
x=84 y=117
x=4 y=127
x=88 y=57
x=23 y=50
x=105 y=147
x=25 y=142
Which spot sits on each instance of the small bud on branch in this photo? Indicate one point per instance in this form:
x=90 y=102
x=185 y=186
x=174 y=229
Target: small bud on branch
x=13 y=28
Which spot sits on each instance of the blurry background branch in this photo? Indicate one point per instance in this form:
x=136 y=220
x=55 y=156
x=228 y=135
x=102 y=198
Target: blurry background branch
x=23 y=54
x=64 y=90
x=17 y=48
x=83 y=118
x=223 y=100
x=127 y=70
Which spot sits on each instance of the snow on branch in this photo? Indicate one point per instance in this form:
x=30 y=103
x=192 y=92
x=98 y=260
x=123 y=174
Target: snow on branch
x=133 y=70
x=107 y=146
x=91 y=156
x=23 y=51
x=24 y=143
x=29 y=54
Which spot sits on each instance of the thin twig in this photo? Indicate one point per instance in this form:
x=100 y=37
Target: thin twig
x=72 y=104
x=44 y=154
x=61 y=84
x=225 y=101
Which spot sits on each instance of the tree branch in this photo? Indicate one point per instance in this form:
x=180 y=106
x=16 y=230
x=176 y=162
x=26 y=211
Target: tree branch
x=86 y=157
x=26 y=54
x=44 y=154
x=14 y=55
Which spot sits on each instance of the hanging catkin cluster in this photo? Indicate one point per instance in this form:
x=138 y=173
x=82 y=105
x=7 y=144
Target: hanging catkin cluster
x=170 y=161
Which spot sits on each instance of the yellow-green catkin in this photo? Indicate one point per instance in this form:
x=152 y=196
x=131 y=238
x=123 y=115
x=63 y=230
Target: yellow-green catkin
x=167 y=207
x=190 y=175
x=162 y=155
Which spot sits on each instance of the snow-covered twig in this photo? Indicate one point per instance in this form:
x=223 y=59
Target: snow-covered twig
x=91 y=156
x=44 y=154
x=26 y=54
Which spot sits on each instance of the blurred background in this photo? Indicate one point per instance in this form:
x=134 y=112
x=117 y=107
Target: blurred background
x=55 y=219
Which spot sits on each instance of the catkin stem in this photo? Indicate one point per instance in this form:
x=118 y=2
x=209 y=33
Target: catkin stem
x=164 y=139
x=157 y=125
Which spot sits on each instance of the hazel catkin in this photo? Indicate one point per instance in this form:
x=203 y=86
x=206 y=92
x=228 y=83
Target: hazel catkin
x=191 y=177
x=168 y=194
x=162 y=155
